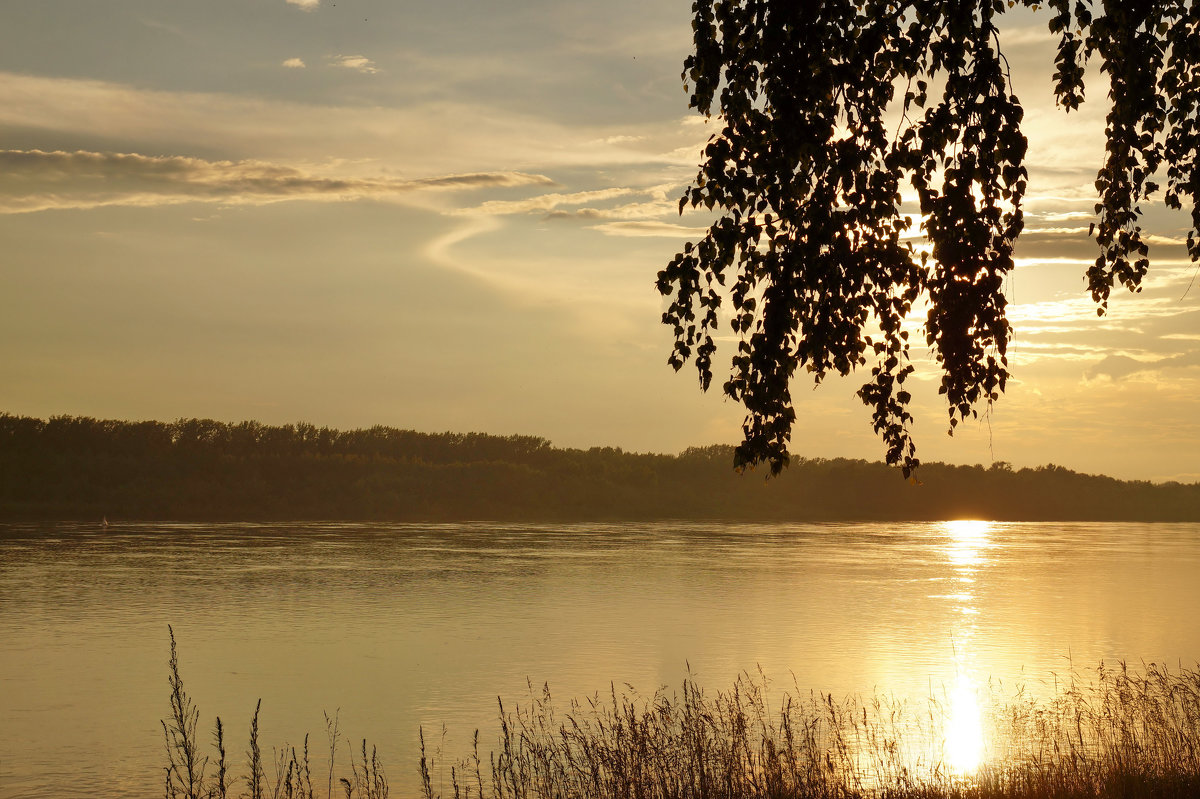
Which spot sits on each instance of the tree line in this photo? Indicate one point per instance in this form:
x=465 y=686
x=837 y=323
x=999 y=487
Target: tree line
x=79 y=468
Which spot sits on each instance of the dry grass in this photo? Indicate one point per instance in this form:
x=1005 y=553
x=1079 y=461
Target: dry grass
x=188 y=774
x=1112 y=733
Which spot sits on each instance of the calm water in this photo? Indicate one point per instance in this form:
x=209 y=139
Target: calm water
x=402 y=626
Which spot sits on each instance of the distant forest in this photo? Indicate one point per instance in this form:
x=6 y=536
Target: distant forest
x=78 y=468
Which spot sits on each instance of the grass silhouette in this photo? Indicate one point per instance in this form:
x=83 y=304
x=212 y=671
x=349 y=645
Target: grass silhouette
x=1112 y=732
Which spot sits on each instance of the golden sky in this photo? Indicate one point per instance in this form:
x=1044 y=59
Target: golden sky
x=449 y=216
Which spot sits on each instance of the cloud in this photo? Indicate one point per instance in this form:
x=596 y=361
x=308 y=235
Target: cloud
x=661 y=203
x=1027 y=35
x=158 y=25
x=641 y=212
x=1063 y=216
x=544 y=202
x=1083 y=232
x=439 y=132
x=359 y=63
x=620 y=138
x=585 y=214
x=1116 y=367
x=1055 y=231
x=294 y=63
x=1053 y=260
x=1170 y=241
x=307 y=5
x=35 y=180
x=642 y=229
x=1123 y=312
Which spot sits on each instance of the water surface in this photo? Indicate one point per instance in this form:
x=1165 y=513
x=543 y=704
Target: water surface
x=400 y=626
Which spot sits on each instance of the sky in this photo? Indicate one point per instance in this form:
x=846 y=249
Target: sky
x=449 y=216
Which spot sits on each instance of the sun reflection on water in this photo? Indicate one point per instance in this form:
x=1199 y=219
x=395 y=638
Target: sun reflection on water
x=967 y=537
x=964 y=727
x=963 y=730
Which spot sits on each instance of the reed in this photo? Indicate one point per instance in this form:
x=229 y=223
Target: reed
x=185 y=765
x=186 y=771
x=1109 y=732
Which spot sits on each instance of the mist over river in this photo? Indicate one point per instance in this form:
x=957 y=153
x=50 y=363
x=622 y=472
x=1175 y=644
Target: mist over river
x=401 y=626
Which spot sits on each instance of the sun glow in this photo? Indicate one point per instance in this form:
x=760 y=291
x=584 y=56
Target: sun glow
x=967 y=538
x=968 y=529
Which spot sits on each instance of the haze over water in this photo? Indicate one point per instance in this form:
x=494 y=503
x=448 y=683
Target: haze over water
x=403 y=626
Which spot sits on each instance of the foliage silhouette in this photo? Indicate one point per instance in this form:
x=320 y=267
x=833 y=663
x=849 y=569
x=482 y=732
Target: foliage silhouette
x=828 y=111
x=76 y=468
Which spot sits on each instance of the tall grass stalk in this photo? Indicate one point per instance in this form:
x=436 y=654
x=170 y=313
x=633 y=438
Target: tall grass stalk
x=331 y=732
x=185 y=766
x=255 y=778
x=221 y=788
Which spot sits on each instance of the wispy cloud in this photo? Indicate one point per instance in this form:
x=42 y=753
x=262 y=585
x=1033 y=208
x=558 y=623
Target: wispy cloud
x=166 y=27
x=1084 y=232
x=307 y=5
x=294 y=63
x=1170 y=241
x=643 y=229
x=1070 y=313
x=620 y=138
x=660 y=205
x=545 y=202
x=1116 y=367
x=442 y=134
x=558 y=207
x=358 y=63
x=584 y=214
x=1054 y=231
x=35 y=180
x=1064 y=216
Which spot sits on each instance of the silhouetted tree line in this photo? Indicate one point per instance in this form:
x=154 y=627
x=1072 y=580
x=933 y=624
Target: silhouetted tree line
x=71 y=467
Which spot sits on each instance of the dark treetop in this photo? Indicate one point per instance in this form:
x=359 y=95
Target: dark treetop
x=828 y=111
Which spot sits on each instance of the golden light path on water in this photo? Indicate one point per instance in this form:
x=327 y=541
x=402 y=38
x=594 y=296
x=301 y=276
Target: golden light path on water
x=963 y=723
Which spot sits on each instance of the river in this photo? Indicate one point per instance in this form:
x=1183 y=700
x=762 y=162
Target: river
x=397 y=627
